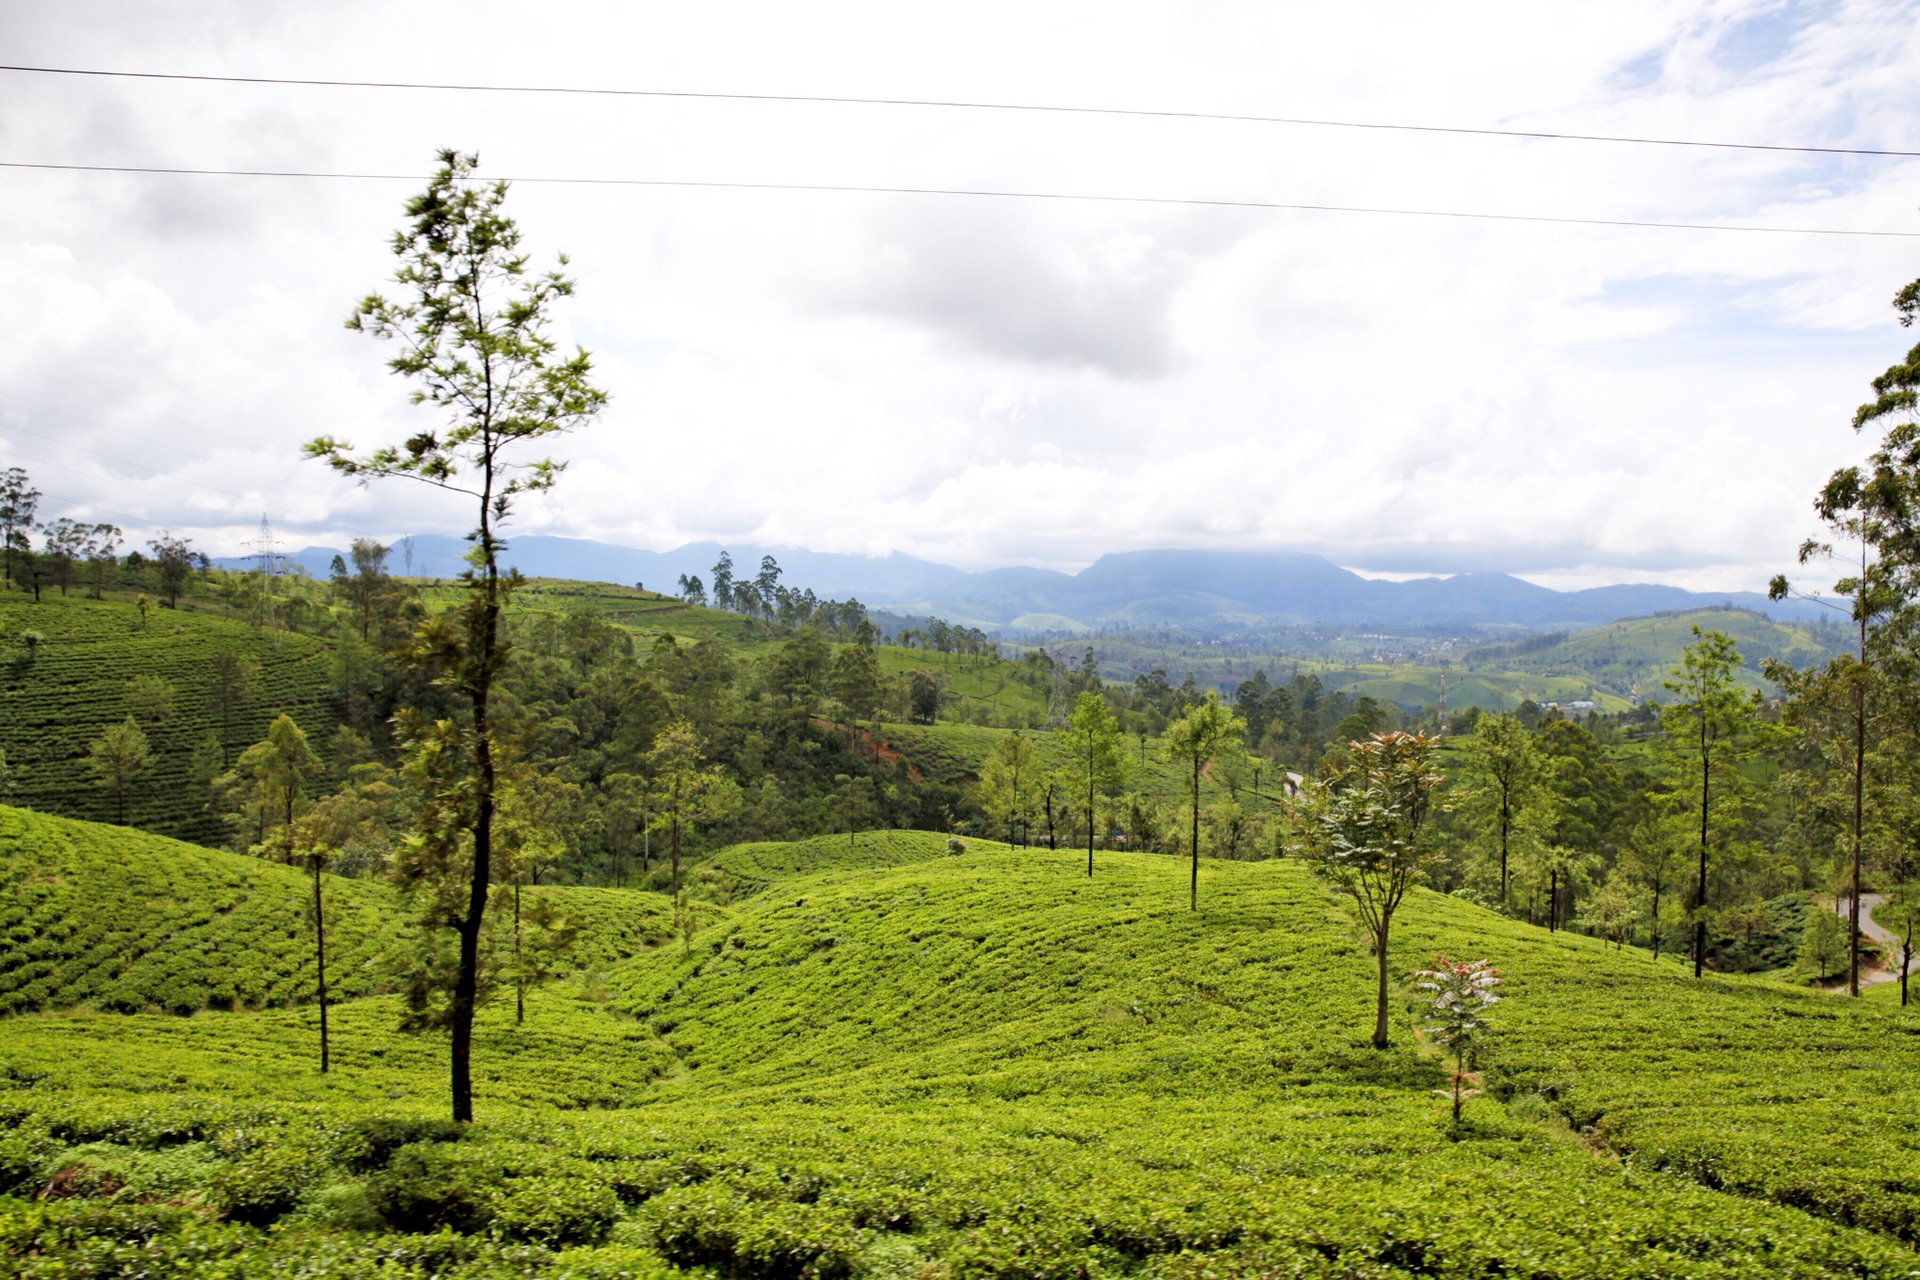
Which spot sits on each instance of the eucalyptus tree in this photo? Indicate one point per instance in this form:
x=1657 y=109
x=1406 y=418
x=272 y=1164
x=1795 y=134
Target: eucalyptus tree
x=472 y=330
x=1195 y=740
x=103 y=542
x=1096 y=754
x=19 y=501
x=1010 y=782
x=1505 y=773
x=1709 y=727
x=684 y=790
x=1842 y=707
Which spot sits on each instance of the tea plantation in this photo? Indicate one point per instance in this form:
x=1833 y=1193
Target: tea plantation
x=55 y=700
x=897 y=1060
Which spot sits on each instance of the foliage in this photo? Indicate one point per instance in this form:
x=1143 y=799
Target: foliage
x=1369 y=835
x=1461 y=992
x=1196 y=740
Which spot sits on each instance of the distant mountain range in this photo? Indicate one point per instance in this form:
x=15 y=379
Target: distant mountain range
x=1195 y=590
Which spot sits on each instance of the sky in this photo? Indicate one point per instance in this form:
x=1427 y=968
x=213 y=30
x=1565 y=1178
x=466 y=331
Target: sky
x=991 y=381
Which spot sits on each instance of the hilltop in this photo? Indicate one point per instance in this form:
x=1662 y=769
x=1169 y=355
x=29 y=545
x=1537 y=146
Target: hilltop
x=982 y=1063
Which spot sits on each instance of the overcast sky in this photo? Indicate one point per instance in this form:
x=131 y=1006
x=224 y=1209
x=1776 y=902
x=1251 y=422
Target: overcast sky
x=988 y=381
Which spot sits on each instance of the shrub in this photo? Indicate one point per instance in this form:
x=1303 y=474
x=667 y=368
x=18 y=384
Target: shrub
x=261 y=1187
x=554 y=1212
x=427 y=1186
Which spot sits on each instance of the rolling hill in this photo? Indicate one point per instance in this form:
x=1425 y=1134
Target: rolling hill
x=982 y=1064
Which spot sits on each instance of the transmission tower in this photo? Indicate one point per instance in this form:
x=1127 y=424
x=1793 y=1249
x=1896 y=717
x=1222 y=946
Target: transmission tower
x=266 y=548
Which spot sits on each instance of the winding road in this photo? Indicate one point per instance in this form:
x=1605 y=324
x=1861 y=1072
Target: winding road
x=1873 y=929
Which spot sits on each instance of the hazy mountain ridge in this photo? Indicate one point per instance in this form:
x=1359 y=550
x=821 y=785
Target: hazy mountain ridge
x=1199 y=590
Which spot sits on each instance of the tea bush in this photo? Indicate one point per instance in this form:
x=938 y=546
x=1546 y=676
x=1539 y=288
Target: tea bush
x=986 y=1064
x=55 y=701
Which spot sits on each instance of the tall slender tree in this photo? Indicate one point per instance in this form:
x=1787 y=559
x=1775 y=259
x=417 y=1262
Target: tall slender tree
x=472 y=328
x=1504 y=766
x=117 y=757
x=19 y=500
x=1010 y=782
x=283 y=766
x=1096 y=754
x=1709 y=724
x=1195 y=740
x=684 y=789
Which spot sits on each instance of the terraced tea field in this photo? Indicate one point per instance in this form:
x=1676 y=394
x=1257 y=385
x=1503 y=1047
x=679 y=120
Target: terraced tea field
x=901 y=1060
x=58 y=693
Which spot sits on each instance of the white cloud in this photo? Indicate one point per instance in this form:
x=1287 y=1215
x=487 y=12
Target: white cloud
x=982 y=380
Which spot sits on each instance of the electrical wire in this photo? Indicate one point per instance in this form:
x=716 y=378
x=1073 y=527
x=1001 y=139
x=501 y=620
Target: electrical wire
x=964 y=105
x=987 y=193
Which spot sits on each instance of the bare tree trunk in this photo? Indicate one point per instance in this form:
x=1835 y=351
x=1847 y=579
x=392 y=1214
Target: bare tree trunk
x=1859 y=780
x=1700 y=889
x=519 y=972
x=466 y=987
x=1089 y=813
x=1380 y=1004
x=1193 y=878
x=320 y=958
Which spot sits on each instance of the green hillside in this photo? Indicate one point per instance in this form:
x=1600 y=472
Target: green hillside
x=58 y=693
x=982 y=1064
x=1634 y=655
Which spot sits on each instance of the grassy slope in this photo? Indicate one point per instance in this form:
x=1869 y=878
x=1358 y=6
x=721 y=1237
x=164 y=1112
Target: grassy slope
x=52 y=707
x=1021 y=1071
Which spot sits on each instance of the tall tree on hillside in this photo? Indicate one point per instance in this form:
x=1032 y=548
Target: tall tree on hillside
x=283 y=766
x=65 y=546
x=1504 y=771
x=19 y=500
x=232 y=680
x=1096 y=754
x=102 y=544
x=536 y=816
x=173 y=559
x=1010 y=782
x=684 y=790
x=855 y=684
x=1195 y=740
x=1370 y=834
x=370 y=587
x=473 y=333
x=1708 y=725
x=1833 y=706
x=116 y=758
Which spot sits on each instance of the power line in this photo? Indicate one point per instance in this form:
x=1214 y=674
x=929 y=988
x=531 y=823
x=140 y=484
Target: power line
x=963 y=105
x=984 y=193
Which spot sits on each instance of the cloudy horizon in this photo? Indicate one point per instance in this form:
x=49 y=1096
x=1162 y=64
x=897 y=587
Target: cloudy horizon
x=984 y=382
